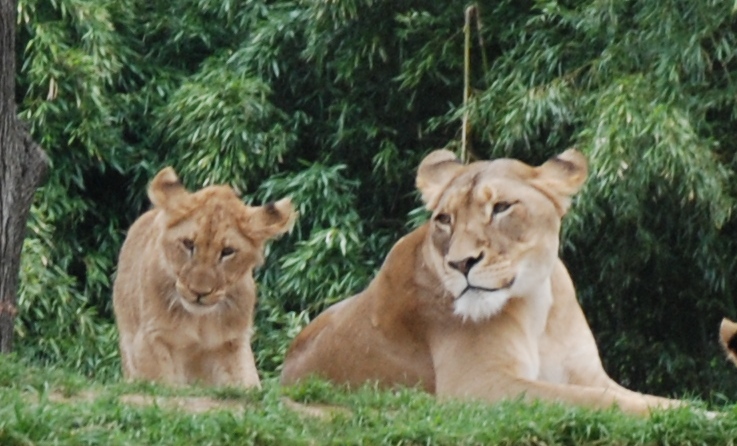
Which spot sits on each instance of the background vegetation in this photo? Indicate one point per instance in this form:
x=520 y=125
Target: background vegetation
x=334 y=103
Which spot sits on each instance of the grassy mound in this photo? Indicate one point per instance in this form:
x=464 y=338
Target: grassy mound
x=42 y=406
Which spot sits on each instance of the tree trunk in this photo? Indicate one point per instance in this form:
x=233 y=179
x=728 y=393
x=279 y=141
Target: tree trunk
x=22 y=167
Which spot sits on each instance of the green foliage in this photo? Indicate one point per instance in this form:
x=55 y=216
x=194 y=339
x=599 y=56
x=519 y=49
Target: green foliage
x=335 y=103
x=220 y=121
x=56 y=407
x=324 y=256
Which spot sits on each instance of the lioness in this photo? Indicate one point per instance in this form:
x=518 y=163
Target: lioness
x=728 y=339
x=475 y=303
x=184 y=294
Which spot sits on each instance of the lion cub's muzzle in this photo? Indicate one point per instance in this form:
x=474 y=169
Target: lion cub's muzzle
x=199 y=293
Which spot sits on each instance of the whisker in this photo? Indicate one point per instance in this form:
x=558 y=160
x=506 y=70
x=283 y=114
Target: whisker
x=172 y=303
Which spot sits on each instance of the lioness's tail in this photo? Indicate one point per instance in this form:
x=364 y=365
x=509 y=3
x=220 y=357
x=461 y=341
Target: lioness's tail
x=728 y=338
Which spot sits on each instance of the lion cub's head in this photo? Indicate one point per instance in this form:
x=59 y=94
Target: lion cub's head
x=210 y=239
x=495 y=225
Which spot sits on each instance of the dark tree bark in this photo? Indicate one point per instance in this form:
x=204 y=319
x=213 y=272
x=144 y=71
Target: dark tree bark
x=22 y=167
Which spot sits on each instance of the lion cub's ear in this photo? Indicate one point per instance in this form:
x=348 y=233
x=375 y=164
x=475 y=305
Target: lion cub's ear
x=268 y=221
x=166 y=191
x=434 y=174
x=561 y=177
x=728 y=339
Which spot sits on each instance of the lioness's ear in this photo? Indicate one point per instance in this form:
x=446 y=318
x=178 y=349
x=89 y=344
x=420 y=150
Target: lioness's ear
x=166 y=191
x=434 y=174
x=728 y=339
x=561 y=177
x=270 y=220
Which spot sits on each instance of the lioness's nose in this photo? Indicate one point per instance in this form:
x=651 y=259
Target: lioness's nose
x=465 y=265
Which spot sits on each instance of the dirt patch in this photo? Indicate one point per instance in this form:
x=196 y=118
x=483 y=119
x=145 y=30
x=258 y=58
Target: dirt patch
x=59 y=397
x=322 y=411
x=190 y=404
x=194 y=404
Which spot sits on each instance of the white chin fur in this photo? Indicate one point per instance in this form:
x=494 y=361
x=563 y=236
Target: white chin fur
x=478 y=305
x=197 y=310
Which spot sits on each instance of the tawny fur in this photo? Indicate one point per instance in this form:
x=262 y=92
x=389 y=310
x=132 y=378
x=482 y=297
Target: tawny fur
x=184 y=293
x=728 y=339
x=519 y=333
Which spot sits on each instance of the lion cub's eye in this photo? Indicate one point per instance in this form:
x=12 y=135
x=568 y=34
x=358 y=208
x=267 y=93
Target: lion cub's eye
x=443 y=219
x=188 y=244
x=501 y=207
x=227 y=252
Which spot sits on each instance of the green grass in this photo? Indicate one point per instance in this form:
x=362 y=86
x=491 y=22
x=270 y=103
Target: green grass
x=45 y=407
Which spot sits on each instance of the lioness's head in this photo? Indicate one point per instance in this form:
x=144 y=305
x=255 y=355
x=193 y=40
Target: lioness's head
x=495 y=225
x=210 y=239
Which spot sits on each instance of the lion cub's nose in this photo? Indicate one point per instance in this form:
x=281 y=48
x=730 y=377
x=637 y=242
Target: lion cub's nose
x=465 y=265
x=201 y=293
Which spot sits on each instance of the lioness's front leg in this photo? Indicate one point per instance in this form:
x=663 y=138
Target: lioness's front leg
x=497 y=360
x=568 y=351
x=498 y=387
x=468 y=373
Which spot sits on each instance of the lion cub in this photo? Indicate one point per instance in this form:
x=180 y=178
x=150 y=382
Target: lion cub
x=184 y=294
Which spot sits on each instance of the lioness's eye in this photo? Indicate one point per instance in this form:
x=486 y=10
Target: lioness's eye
x=501 y=207
x=227 y=252
x=188 y=244
x=443 y=219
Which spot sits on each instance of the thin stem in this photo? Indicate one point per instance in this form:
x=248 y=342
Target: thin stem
x=466 y=128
